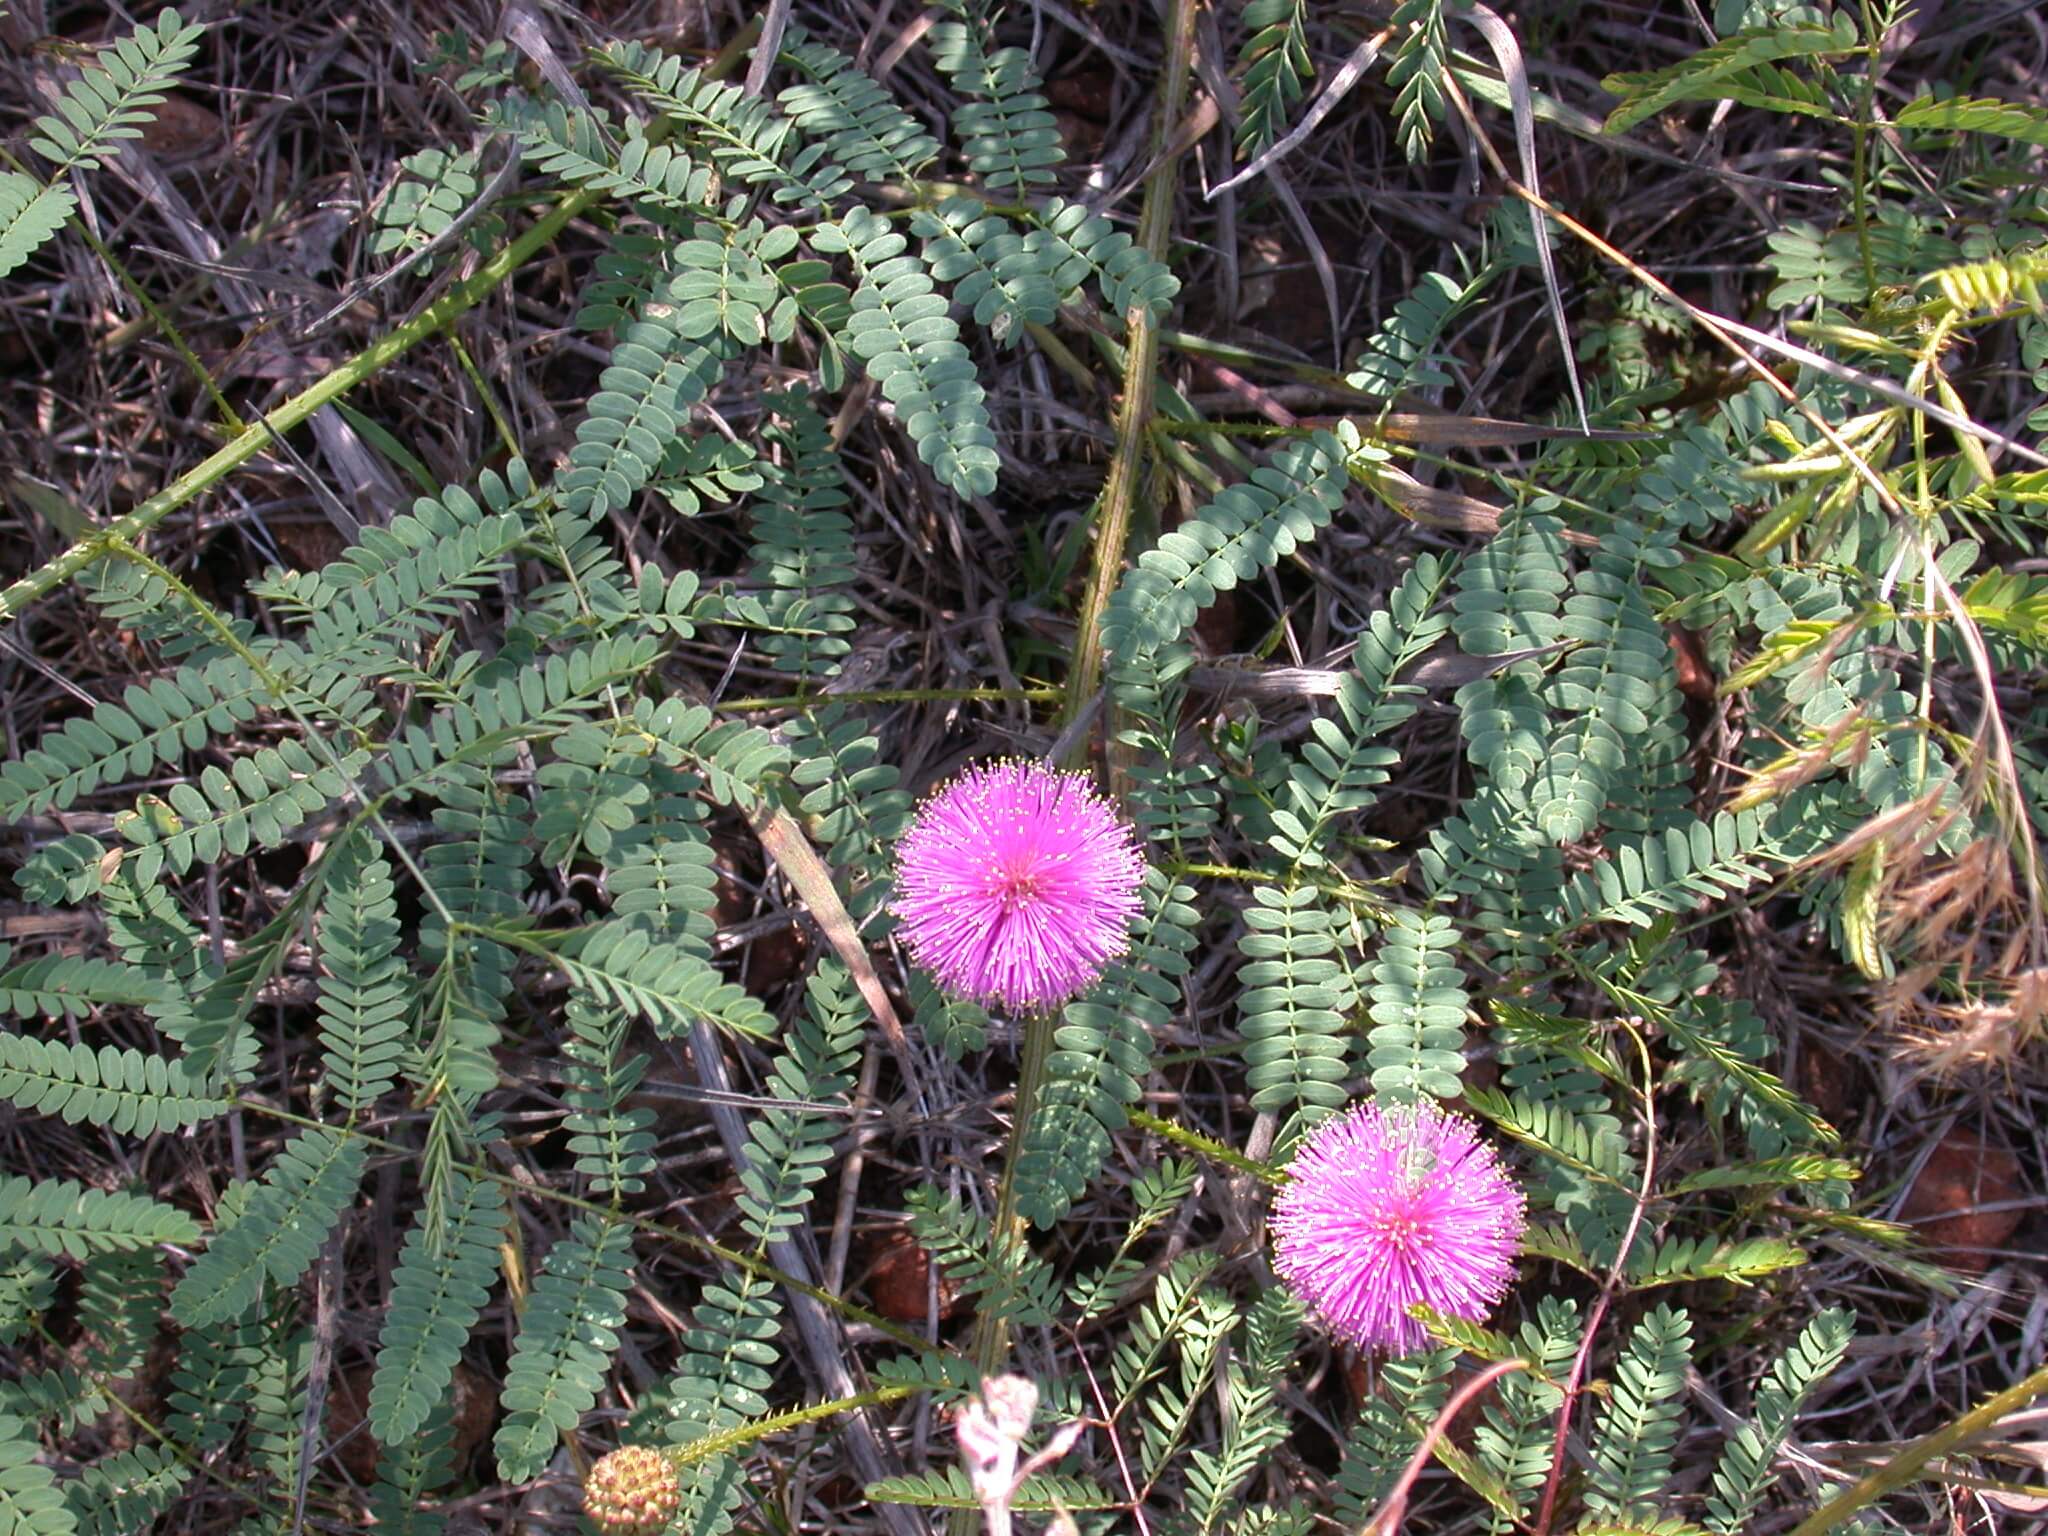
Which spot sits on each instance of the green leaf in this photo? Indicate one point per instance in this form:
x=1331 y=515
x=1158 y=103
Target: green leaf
x=2019 y=121
x=663 y=982
x=1006 y=134
x=1102 y=1054
x=789 y=1142
x=58 y=1216
x=1246 y=529
x=566 y=1338
x=1636 y=1429
x=1402 y=354
x=110 y=101
x=1391 y=1424
x=1745 y=1472
x=433 y=189
x=744 y=136
x=1042 y=1494
x=1418 y=71
x=1275 y=67
x=293 y=1207
x=1677 y=869
x=1001 y=274
x=1004 y=1273
x=367 y=996
x=1514 y=1437
x=899 y=329
x=863 y=130
x=75 y=986
x=126 y=1491
x=152 y=727
x=1682 y=1260
x=1255 y=1424
x=437 y=1295
x=611 y=1143
x=65 y=1397
x=1418 y=1006
x=1705 y=76
x=1299 y=990
x=1771 y=1173
x=269 y=792
x=643 y=399
x=30 y=1502
x=29 y=215
x=125 y=1091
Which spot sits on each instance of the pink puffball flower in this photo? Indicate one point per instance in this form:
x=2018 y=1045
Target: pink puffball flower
x=1016 y=884
x=1387 y=1206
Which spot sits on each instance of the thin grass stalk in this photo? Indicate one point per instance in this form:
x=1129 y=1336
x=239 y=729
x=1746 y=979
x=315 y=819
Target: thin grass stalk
x=1141 y=363
x=1141 y=358
x=443 y=312
x=1904 y=1467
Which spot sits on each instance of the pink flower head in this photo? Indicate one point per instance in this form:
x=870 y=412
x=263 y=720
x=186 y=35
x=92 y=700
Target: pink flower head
x=1385 y=1207
x=1016 y=884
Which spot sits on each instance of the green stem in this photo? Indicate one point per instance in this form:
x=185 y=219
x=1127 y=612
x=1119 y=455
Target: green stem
x=991 y=1330
x=1249 y=429
x=239 y=450
x=1141 y=357
x=745 y=1434
x=506 y=435
x=1204 y=1146
x=1141 y=362
x=1859 y=167
x=1905 y=1466
x=1265 y=362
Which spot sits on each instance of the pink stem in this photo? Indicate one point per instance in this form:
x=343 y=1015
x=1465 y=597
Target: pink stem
x=1387 y=1522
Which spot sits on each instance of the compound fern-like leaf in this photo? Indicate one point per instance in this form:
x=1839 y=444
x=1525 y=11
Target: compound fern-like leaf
x=125 y=1091
x=610 y=1142
x=910 y=346
x=293 y=1207
x=1745 y=1474
x=152 y=727
x=1298 y=990
x=436 y=1297
x=864 y=132
x=565 y=1343
x=1008 y=136
x=31 y=1504
x=269 y=792
x=789 y=1145
x=1513 y=1439
x=1706 y=75
x=110 y=101
x=1102 y=1054
x=57 y=1216
x=1418 y=1004
x=1635 y=1430
x=1246 y=529
x=29 y=215
x=622 y=965
x=127 y=1491
x=366 y=997
x=1276 y=68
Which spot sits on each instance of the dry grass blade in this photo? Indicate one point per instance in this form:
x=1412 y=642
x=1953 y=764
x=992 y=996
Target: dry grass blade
x=1508 y=54
x=784 y=842
x=1348 y=74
